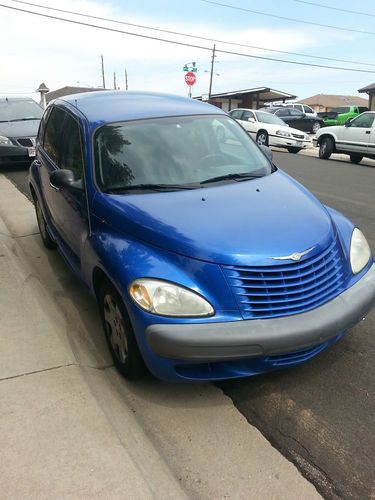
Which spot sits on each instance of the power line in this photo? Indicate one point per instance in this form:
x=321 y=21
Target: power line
x=336 y=8
x=185 y=44
x=243 y=9
x=192 y=36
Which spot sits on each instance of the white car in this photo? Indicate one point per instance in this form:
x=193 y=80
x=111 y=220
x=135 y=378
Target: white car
x=304 y=108
x=269 y=130
x=356 y=138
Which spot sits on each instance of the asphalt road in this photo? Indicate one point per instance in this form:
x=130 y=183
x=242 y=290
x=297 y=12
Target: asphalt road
x=320 y=415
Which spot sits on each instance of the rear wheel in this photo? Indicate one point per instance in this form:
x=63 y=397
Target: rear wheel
x=315 y=127
x=262 y=138
x=356 y=158
x=327 y=146
x=119 y=333
x=46 y=238
x=294 y=150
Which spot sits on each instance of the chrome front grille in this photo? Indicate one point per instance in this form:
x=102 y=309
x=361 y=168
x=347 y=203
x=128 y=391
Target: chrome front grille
x=285 y=289
x=298 y=136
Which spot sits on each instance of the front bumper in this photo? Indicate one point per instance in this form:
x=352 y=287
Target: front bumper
x=14 y=155
x=289 y=142
x=212 y=342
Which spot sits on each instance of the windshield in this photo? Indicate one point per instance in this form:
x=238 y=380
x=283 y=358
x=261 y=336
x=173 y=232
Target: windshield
x=176 y=151
x=21 y=109
x=269 y=118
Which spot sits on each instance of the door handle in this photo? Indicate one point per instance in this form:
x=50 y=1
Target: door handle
x=368 y=131
x=54 y=187
x=37 y=163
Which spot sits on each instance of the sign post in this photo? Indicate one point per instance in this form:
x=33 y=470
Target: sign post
x=190 y=77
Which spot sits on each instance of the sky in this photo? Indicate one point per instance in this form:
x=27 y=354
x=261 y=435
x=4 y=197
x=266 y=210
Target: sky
x=37 y=49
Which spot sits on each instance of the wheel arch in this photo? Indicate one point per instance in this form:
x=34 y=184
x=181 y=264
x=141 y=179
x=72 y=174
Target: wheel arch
x=324 y=136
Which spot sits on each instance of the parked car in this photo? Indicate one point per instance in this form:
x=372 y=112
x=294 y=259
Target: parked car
x=304 y=108
x=339 y=116
x=269 y=130
x=296 y=119
x=19 y=122
x=356 y=138
x=207 y=261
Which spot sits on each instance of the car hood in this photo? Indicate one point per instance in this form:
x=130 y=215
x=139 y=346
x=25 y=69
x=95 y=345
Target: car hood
x=241 y=223
x=27 y=128
x=272 y=128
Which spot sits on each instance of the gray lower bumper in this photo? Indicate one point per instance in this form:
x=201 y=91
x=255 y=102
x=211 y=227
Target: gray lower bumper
x=263 y=337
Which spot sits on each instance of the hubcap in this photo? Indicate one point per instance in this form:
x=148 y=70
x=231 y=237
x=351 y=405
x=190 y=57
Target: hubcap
x=40 y=219
x=114 y=323
x=315 y=128
x=262 y=140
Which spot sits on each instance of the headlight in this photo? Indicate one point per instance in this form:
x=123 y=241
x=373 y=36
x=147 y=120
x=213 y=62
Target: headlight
x=168 y=299
x=360 y=252
x=283 y=133
x=4 y=141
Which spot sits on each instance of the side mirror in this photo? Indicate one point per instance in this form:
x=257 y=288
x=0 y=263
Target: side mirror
x=348 y=123
x=303 y=115
x=267 y=151
x=64 y=179
x=251 y=120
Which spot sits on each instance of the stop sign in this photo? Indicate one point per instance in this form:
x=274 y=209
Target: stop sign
x=190 y=78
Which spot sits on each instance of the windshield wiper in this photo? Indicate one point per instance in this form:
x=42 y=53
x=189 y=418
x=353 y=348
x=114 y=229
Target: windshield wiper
x=151 y=187
x=24 y=119
x=240 y=176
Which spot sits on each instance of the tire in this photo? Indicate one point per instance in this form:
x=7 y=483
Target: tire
x=315 y=127
x=119 y=333
x=356 y=158
x=327 y=147
x=46 y=238
x=294 y=150
x=262 y=138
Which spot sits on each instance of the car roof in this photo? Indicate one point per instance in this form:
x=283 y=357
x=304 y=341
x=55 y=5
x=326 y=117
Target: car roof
x=13 y=99
x=115 y=106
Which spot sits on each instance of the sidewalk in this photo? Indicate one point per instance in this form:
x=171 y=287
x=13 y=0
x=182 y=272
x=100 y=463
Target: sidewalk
x=72 y=428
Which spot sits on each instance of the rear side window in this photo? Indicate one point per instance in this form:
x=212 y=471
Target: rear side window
x=236 y=114
x=54 y=134
x=295 y=112
x=71 y=156
x=283 y=112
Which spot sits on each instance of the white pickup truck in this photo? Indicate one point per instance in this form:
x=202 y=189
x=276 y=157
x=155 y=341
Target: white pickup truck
x=356 y=138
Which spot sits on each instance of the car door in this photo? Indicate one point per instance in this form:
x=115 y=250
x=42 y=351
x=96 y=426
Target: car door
x=299 y=120
x=357 y=137
x=48 y=159
x=248 y=121
x=72 y=207
x=284 y=114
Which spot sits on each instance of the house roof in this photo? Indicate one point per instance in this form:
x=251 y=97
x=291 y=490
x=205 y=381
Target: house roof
x=266 y=94
x=54 y=94
x=334 y=101
x=368 y=88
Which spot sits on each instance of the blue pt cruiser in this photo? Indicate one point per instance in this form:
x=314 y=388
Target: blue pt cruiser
x=207 y=261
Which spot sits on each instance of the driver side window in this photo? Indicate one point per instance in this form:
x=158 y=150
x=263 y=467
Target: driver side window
x=363 y=121
x=247 y=115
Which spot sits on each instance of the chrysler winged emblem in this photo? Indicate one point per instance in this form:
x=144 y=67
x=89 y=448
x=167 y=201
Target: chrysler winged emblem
x=294 y=256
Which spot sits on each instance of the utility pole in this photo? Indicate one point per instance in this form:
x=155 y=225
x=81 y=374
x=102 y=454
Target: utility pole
x=103 y=78
x=114 y=81
x=126 y=79
x=212 y=71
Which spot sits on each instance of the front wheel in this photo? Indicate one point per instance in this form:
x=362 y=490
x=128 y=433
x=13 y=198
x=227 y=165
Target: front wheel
x=294 y=150
x=355 y=158
x=119 y=333
x=262 y=138
x=326 y=148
